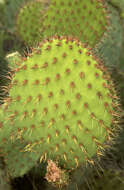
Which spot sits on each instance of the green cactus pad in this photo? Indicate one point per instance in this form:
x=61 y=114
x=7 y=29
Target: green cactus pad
x=18 y=161
x=11 y=9
x=86 y=20
x=61 y=103
x=29 y=22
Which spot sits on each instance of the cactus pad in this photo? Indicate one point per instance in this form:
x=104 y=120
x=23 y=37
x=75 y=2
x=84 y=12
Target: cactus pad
x=86 y=20
x=61 y=103
x=11 y=9
x=29 y=22
x=17 y=160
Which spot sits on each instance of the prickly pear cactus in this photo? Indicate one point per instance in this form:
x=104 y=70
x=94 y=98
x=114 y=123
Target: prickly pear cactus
x=10 y=12
x=29 y=22
x=61 y=104
x=86 y=20
x=17 y=160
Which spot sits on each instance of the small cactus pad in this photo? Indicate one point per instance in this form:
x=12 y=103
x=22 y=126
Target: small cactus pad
x=61 y=102
x=11 y=9
x=29 y=22
x=86 y=20
x=18 y=161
